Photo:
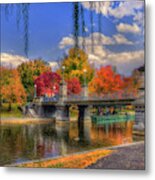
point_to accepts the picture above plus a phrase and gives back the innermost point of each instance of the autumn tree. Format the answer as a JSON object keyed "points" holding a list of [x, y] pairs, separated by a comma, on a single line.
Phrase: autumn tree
{"points": [[132, 83], [47, 84], [106, 81], [29, 71], [75, 64], [73, 86], [12, 90]]}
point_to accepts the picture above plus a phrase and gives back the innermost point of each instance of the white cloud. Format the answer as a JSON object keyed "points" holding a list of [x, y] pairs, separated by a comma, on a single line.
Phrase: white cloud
{"points": [[124, 61], [120, 39], [99, 6], [139, 18], [66, 41], [10, 60], [125, 8], [99, 39], [54, 65], [86, 29], [127, 28]]}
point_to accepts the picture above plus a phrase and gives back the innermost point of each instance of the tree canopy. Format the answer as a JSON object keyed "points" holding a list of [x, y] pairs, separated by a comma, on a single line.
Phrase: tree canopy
{"points": [[76, 65], [108, 81], [29, 71], [12, 90], [48, 84], [73, 86]]}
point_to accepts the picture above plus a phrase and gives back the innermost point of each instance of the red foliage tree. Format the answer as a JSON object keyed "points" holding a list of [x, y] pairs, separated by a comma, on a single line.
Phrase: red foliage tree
{"points": [[48, 84], [73, 86]]}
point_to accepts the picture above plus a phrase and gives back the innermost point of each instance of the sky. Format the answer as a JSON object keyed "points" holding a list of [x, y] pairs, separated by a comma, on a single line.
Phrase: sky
{"points": [[51, 34]]}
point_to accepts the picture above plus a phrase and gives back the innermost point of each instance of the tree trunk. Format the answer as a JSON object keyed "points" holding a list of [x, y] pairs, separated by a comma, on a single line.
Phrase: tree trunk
{"points": [[9, 107]]}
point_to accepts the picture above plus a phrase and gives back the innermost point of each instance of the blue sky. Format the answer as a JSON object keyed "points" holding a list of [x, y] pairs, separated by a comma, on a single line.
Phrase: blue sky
{"points": [[51, 27]]}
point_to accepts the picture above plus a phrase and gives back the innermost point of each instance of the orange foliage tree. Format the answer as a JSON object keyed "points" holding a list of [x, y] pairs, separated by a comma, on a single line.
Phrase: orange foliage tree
{"points": [[12, 90], [132, 83], [106, 81]]}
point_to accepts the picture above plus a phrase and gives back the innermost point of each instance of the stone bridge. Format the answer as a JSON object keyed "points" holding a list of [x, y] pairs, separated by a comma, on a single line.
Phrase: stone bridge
{"points": [[58, 108]]}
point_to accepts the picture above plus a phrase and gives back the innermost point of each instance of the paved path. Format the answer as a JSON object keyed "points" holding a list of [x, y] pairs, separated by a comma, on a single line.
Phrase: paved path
{"points": [[129, 158]]}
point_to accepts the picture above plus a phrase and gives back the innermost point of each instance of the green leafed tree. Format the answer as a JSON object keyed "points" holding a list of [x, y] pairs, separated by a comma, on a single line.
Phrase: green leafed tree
{"points": [[29, 71], [76, 65]]}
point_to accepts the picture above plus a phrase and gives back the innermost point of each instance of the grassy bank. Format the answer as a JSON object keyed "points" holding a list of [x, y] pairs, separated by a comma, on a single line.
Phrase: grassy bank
{"points": [[15, 112], [17, 121], [71, 161]]}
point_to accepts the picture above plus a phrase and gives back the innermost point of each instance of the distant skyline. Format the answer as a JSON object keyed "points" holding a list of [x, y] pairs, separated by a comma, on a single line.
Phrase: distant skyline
{"points": [[51, 29]]}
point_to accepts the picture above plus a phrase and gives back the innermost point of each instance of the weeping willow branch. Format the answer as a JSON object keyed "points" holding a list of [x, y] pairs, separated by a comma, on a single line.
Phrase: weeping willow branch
{"points": [[76, 24], [25, 13], [18, 15], [8, 10], [22, 11], [99, 22], [92, 25], [83, 27]]}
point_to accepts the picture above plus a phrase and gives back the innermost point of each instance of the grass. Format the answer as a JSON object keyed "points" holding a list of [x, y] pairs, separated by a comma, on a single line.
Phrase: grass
{"points": [[79, 161], [15, 112]]}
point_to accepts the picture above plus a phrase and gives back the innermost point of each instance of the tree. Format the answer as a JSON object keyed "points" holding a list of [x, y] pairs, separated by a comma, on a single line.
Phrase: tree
{"points": [[29, 71], [12, 90], [75, 63], [73, 86], [48, 84], [106, 81], [132, 83]]}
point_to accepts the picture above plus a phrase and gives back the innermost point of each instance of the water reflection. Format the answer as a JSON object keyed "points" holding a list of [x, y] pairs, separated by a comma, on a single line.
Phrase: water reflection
{"points": [[19, 143]]}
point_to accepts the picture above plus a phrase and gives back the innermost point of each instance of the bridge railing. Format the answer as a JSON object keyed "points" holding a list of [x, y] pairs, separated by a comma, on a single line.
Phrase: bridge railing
{"points": [[81, 97], [107, 97]]}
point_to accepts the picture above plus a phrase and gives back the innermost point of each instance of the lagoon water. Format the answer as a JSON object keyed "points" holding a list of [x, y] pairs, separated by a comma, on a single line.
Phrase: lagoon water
{"points": [[20, 143]]}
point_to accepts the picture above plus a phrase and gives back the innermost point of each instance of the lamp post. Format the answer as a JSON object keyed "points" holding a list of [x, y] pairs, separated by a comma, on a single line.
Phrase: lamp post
{"points": [[35, 91], [85, 89], [54, 88], [85, 71], [63, 69]]}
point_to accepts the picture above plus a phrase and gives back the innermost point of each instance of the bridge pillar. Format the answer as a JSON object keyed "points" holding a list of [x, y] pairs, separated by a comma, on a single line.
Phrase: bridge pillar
{"points": [[85, 92], [140, 103], [40, 111], [62, 92], [84, 113], [62, 112]]}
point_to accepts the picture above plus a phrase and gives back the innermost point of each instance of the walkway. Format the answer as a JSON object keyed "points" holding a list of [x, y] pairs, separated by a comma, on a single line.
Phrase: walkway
{"points": [[129, 158]]}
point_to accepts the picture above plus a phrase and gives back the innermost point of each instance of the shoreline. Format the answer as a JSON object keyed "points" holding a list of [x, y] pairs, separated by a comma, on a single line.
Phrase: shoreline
{"points": [[125, 158], [25, 120], [43, 160]]}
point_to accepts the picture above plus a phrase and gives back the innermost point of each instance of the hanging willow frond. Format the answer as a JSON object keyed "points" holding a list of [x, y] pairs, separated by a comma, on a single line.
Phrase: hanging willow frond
{"points": [[18, 15], [83, 27], [25, 13], [99, 22], [22, 11], [92, 25], [76, 24], [8, 10]]}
